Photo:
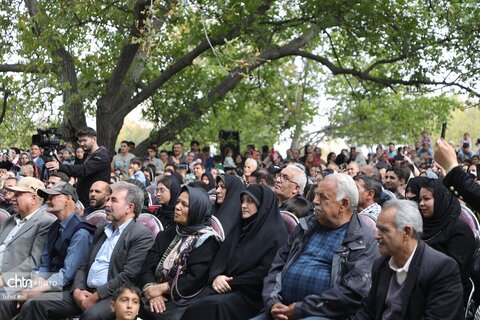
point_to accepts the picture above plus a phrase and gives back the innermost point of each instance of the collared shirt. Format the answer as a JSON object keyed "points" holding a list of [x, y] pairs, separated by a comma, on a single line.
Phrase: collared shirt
{"points": [[98, 274], [140, 177], [19, 223], [76, 254], [311, 271], [372, 211], [401, 273]]}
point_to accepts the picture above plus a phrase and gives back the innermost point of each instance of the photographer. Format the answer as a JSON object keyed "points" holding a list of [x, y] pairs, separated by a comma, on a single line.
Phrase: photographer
{"points": [[95, 167]]}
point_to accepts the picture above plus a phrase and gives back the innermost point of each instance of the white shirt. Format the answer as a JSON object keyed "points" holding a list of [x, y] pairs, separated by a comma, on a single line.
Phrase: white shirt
{"points": [[401, 273], [98, 273]]}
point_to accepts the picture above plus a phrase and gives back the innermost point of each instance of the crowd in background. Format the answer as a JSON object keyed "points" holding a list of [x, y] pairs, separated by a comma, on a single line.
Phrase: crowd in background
{"points": [[321, 265]]}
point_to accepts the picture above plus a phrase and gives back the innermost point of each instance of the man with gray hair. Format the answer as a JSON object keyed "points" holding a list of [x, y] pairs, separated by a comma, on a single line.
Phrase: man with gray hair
{"points": [[290, 183], [324, 269], [118, 253], [250, 166], [412, 280]]}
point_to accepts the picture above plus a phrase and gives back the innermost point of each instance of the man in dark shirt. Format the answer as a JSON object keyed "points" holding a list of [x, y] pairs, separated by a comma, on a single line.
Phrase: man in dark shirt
{"points": [[99, 194], [95, 167]]}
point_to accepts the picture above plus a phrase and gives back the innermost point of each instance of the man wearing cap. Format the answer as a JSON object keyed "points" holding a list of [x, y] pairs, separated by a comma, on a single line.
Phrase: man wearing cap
{"points": [[22, 238], [115, 259], [68, 242], [289, 183], [95, 167]]}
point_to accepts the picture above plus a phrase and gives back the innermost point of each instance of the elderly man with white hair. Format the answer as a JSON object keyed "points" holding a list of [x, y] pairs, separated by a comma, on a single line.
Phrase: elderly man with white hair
{"points": [[324, 269], [250, 166], [289, 185]]}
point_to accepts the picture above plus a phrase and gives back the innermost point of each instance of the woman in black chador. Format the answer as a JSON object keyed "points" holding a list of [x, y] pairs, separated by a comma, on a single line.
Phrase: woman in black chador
{"points": [[236, 275]]}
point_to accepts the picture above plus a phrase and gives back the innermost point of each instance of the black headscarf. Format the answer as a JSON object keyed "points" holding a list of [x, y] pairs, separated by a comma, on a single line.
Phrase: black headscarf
{"points": [[199, 211], [248, 251], [165, 213], [229, 211], [446, 209], [211, 181], [415, 184], [178, 177]]}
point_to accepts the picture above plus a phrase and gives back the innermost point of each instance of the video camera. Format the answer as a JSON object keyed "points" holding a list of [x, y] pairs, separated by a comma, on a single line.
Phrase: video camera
{"points": [[49, 140]]}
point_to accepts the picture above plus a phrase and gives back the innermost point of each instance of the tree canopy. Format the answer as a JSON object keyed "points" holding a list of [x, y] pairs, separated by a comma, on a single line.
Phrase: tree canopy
{"points": [[198, 66]]}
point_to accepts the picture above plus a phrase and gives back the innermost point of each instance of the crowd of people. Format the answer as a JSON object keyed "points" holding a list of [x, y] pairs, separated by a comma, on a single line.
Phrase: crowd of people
{"points": [[388, 235]]}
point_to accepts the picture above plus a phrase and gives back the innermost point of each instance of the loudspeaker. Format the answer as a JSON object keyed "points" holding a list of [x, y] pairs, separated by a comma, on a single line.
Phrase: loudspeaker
{"points": [[229, 139]]}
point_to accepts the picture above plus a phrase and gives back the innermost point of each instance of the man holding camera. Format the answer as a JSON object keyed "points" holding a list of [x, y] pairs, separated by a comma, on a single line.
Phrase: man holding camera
{"points": [[95, 167]]}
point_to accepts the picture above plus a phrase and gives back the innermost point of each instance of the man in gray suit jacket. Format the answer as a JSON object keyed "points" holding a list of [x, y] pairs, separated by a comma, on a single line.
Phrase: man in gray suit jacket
{"points": [[118, 252], [22, 238]]}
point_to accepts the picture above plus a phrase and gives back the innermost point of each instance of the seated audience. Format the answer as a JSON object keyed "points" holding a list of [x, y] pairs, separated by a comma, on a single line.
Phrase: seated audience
{"points": [[168, 190], [411, 280], [177, 265], [237, 272], [227, 206], [324, 268], [116, 258]]}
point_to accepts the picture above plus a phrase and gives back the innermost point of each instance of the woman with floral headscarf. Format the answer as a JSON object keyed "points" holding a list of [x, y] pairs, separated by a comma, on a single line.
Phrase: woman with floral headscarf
{"points": [[176, 267]]}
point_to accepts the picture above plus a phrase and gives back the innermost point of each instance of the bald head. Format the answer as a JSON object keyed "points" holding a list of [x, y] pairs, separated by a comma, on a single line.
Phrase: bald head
{"points": [[100, 192]]}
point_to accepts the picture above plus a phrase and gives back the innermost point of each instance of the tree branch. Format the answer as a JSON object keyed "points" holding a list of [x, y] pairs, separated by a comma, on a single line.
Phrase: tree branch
{"points": [[74, 117], [4, 105], [187, 59], [18, 67], [362, 75], [228, 83]]}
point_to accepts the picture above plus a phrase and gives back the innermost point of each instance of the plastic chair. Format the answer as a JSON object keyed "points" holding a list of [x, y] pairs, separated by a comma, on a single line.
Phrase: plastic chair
{"points": [[4, 215], [467, 216], [98, 218], [470, 307], [290, 220], [152, 195], [151, 222], [217, 226]]}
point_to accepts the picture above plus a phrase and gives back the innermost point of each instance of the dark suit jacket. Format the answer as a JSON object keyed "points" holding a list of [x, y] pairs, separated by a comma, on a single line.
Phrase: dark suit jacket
{"points": [[462, 185], [127, 259], [23, 253], [433, 289]]}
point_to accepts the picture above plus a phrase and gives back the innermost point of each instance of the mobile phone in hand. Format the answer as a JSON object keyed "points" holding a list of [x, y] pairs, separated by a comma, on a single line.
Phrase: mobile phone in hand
{"points": [[444, 128]]}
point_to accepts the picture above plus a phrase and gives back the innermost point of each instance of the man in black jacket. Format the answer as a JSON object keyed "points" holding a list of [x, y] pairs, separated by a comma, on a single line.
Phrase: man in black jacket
{"points": [[460, 183], [412, 280], [95, 167]]}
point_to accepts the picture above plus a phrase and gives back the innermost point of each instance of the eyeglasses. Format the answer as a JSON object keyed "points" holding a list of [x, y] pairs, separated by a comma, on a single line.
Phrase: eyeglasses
{"points": [[82, 141], [283, 177], [162, 190]]}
